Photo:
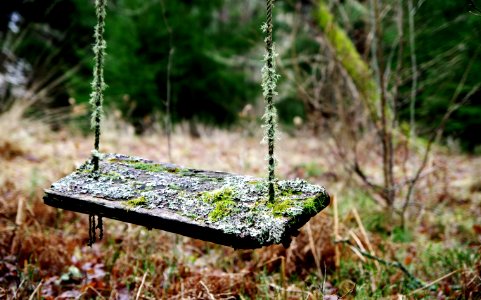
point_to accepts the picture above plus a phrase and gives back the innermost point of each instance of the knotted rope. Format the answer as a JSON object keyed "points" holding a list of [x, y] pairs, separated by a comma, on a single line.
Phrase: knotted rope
{"points": [[269, 83], [96, 100], [98, 83]]}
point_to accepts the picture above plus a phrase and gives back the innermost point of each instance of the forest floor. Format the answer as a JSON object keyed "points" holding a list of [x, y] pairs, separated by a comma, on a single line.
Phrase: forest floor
{"points": [[44, 252]]}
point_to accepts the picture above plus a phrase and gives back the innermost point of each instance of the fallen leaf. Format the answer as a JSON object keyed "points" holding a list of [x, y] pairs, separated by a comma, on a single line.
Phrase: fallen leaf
{"points": [[477, 229]]}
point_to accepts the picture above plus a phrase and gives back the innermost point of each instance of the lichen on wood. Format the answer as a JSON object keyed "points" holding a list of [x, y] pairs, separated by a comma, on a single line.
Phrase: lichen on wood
{"points": [[269, 84], [98, 83], [220, 207]]}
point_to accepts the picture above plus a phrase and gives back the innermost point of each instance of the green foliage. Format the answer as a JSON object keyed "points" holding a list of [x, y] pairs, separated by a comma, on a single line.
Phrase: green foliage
{"points": [[210, 84], [288, 108], [204, 87], [402, 235], [438, 257], [448, 37]]}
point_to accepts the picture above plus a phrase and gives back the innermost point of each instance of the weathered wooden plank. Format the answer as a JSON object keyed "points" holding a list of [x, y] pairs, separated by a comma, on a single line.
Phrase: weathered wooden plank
{"points": [[219, 207]]}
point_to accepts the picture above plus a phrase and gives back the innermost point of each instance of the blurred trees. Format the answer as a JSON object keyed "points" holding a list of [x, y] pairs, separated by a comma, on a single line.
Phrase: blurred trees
{"points": [[450, 67], [409, 80], [438, 73], [204, 36], [139, 41], [215, 58]]}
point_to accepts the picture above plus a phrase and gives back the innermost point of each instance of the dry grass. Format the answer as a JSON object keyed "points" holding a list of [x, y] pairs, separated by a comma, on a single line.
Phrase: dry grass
{"points": [[43, 250]]}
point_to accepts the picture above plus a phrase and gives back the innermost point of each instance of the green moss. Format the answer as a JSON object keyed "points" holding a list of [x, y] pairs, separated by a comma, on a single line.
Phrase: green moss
{"points": [[112, 175], [148, 167], [281, 208], [84, 171], [313, 204], [224, 194], [287, 193], [136, 202], [223, 199], [152, 167], [222, 209], [350, 58], [186, 172]]}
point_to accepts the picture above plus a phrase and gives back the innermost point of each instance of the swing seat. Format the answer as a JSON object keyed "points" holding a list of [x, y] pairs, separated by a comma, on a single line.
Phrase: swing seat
{"points": [[218, 207]]}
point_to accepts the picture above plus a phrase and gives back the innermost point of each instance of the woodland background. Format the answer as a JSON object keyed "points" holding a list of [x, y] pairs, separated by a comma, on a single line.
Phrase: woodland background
{"points": [[379, 101]]}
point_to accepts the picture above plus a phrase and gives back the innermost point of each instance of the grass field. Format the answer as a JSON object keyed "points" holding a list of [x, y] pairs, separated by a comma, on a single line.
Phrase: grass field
{"points": [[356, 253]]}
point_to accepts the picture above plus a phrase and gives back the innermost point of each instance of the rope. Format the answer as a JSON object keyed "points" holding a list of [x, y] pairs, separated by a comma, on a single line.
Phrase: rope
{"points": [[100, 226], [269, 83], [96, 100], [98, 84], [92, 236], [93, 228]]}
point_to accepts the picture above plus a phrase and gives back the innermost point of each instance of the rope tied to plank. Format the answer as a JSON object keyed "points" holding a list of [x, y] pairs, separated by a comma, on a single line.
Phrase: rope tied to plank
{"points": [[98, 83], [96, 100], [269, 84], [92, 229]]}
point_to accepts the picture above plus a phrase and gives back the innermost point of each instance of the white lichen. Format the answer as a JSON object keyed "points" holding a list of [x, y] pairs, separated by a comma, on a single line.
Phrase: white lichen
{"points": [[250, 214]]}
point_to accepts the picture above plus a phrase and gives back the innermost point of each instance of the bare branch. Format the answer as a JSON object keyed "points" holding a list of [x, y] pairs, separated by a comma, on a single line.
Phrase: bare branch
{"points": [[418, 283], [440, 128]]}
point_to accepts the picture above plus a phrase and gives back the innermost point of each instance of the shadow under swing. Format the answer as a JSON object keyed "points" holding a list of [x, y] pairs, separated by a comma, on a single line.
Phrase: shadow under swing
{"points": [[240, 211]]}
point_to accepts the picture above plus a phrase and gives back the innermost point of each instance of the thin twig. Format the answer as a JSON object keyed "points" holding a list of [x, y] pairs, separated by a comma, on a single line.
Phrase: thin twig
{"points": [[36, 290], [396, 264], [141, 286], [364, 233], [439, 130], [357, 240], [317, 259], [434, 282], [95, 290], [288, 290], [283, 277], [336, 232], [359, 172], [211, 297]]}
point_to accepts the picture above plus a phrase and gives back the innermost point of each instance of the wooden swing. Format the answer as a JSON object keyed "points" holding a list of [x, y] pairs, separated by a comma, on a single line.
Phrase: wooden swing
{"points": [[243, 212]]}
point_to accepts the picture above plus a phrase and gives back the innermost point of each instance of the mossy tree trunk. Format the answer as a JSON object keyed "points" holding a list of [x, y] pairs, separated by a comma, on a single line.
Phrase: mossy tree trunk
{"points": [[372, 87], [351, 60]]}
